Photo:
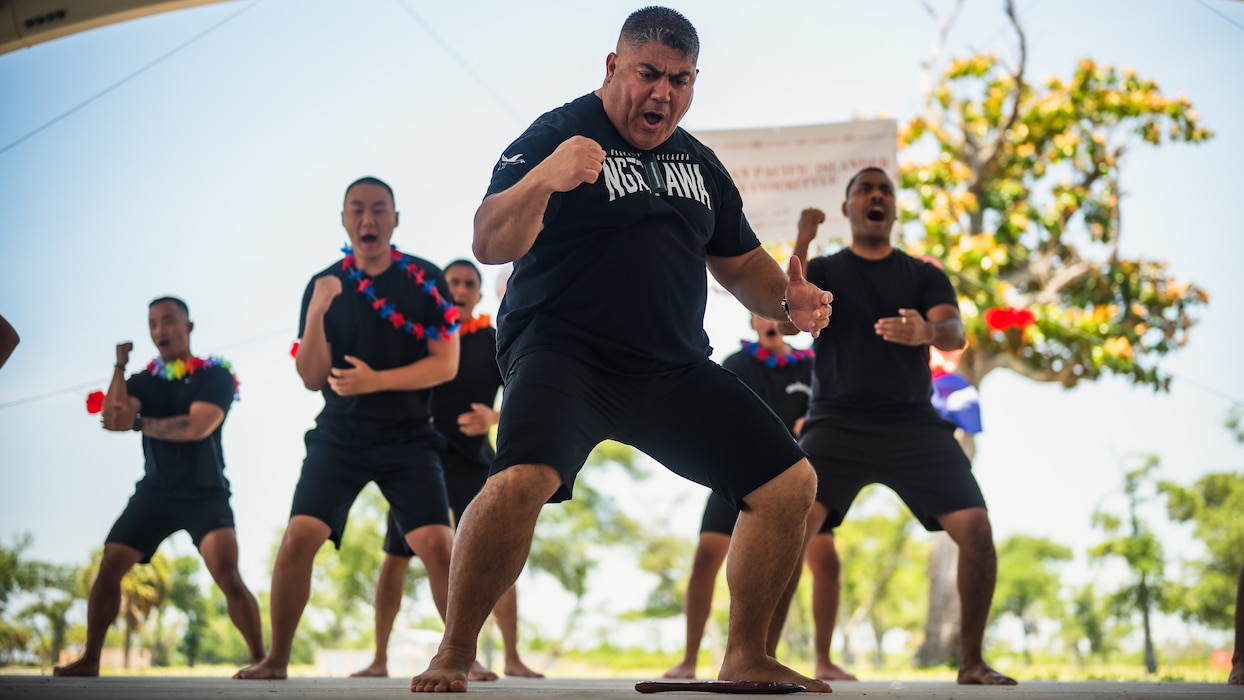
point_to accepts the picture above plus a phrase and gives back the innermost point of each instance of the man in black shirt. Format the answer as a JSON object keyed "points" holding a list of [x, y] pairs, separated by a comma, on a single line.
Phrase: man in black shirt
{"points": [[376, 335], [871, 419], [179, 405], [610, 213], [462, 412]]}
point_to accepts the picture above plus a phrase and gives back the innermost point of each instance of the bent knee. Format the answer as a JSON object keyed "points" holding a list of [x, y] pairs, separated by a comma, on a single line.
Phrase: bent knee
{"points": [[792, 490]]}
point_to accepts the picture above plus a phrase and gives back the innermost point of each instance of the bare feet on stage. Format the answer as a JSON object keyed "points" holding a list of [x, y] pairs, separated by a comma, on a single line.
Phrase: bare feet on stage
{"points": [[1237, 673], [79, 668], [445, 674], [480, 672], [833, 672], [374, 671], [769, 670], [265, 670], [981, 674], [684, 669], [518, 669]]}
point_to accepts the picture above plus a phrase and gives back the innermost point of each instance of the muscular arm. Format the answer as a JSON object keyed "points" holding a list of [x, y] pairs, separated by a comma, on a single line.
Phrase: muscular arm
{"points": [[119, 407], [438, 367], [755, 279], [202, 420], [507, 223], [315, 354]]}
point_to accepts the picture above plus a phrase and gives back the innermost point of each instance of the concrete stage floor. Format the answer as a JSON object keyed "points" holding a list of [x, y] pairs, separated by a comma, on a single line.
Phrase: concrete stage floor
{"points": [[198, 688]]}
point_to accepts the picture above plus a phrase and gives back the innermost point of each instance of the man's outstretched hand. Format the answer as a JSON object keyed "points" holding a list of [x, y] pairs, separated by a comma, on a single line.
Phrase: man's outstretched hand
{"points": [[809, 307]]}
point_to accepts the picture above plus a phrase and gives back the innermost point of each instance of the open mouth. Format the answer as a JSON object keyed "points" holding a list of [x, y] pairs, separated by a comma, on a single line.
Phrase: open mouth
{"points": [[369, 238], [653, 119], [876, 215], [771, 333]]}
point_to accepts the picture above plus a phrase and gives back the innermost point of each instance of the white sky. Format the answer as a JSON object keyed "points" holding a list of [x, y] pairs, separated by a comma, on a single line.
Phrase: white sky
{"points": [[217, 175]]}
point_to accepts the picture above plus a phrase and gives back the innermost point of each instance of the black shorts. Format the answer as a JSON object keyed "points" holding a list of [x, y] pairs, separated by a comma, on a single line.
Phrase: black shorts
{"points": [[720, 517], [151, 516], [701, 422], [408, 474], [912, 450], [464, 478]]}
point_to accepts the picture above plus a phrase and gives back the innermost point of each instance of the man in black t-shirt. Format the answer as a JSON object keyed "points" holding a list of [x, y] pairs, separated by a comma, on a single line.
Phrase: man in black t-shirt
{"points": [[610, 213], [871, 419], [179, 404], [462, 411], [782, 377], [376, 335]]}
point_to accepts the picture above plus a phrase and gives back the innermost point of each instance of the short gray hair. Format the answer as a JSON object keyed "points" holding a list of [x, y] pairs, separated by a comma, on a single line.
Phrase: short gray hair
{"points": [[663, 26]]}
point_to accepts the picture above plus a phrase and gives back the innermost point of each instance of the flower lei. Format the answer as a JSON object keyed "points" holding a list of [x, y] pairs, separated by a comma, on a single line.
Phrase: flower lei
{"points": [[772, 359], [179, 369], [474, 324], [387, 311]]}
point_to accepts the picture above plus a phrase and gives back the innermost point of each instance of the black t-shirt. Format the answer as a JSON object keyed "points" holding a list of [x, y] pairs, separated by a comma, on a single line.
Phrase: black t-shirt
{"points": [[785, 389], [183, 468], [617, 275], [855, 368], [477, 382], [355, 328]]}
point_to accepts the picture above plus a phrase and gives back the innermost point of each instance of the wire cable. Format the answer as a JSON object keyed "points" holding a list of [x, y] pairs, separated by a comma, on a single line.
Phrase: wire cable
{"points": [[126, 79]]}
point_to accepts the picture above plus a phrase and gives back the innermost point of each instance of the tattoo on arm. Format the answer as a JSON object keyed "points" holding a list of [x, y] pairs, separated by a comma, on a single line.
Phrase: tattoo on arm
{"points": [[169, 428]]}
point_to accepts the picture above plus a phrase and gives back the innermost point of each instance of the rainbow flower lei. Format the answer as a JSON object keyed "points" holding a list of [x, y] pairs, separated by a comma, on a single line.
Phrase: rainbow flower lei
{"points": [[771, 359], [179, 369], [387, 311]]}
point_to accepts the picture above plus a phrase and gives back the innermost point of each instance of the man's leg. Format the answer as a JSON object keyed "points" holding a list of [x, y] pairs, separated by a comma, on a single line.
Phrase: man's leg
{"points": [[291, 587], [493, 541], [1237, 659], [103, 604], [219, 549], [816, 516], [766, 548], [390, 587], [506, 614], [822, 559], [709, 555], [978, 573]]}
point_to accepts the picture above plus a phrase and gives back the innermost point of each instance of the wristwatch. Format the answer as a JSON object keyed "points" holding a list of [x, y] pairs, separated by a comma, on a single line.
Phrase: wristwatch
{"points": [[786, 309], [138, 423]]}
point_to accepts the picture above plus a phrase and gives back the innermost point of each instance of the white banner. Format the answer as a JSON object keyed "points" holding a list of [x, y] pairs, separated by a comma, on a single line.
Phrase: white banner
{"points": [[781, 171]]}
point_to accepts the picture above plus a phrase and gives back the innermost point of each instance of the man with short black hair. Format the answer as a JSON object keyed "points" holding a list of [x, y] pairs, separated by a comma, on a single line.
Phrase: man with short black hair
{"points": [[871, 419], [179, 404], [376, 334], [611, 213]]}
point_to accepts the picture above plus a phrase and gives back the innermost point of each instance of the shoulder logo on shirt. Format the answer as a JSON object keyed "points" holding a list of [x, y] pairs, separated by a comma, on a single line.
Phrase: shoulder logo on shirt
{"points": [[624, 174], [516, 159]]}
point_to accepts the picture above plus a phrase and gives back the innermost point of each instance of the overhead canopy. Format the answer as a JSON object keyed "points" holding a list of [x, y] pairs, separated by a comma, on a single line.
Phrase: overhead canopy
{"points": [[24, 23]]}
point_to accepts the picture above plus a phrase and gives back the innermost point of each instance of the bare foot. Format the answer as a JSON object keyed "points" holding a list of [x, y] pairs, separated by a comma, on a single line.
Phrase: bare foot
{"points": [[480, 672], [1237, 674], [263, 671], [444, 675], [830, 671], [981, 674], [685, 669], [79, 668], [768, 670], [518, 669], [376, 670]]}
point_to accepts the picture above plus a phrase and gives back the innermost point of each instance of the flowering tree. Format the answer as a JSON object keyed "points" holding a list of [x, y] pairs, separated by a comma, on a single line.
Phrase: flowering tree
{"points": [[1018, 197]]}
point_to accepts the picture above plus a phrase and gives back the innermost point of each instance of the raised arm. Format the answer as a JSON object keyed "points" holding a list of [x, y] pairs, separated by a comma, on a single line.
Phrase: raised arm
{"points": [[810, 220], [507, 223], [315, 354], [119, 407], [756, 280]]}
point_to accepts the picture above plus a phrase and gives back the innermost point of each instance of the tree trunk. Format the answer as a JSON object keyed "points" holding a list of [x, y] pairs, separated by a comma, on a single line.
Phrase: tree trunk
{"points": [[941, 628], [1151, 658]]}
